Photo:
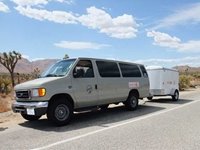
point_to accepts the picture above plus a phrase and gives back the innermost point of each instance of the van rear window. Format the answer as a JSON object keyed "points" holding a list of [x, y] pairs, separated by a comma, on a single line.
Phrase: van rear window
{"points": [[129, 70], [144, 72], [108, 69]]}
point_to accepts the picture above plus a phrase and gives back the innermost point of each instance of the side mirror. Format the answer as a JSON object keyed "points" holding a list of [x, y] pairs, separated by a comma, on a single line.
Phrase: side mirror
{"points": [[75, 74], [78, 73]]}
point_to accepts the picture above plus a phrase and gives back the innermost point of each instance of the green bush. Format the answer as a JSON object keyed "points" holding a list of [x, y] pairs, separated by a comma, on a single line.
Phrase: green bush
{"points": [[5, 83], [196, 75]]}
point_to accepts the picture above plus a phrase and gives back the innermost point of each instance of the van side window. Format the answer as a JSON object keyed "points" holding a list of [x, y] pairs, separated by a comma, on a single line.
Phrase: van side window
{"points": [[108, 69], [84, 69], [129, 70], [144, 72]]}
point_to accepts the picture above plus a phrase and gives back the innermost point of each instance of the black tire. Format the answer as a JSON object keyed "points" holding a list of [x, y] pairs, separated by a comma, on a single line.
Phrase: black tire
{"points": [[132, 102], [104, 107], [150, 98], [175, 97], [60, 111], [30, 117]]}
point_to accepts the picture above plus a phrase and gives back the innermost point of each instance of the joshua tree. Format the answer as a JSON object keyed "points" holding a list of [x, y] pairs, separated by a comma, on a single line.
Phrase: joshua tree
{"points": [[9, 60], [36, 73], [1, 82]]}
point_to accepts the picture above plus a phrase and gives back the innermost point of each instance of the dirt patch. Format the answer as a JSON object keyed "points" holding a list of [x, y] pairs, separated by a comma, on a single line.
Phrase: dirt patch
{"points": [[5, 102], [7, 117]]}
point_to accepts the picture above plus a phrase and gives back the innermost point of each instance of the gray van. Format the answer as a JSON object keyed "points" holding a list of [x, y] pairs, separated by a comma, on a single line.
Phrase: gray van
{"points": [[81, 83]]}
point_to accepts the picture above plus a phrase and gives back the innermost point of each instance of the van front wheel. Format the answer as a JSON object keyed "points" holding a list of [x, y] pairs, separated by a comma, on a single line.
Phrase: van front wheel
{"points": [[132, 102], [60, 112]]}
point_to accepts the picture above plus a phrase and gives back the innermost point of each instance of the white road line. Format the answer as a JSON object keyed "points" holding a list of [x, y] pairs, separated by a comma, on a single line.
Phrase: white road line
{"points": [[114, 126]]}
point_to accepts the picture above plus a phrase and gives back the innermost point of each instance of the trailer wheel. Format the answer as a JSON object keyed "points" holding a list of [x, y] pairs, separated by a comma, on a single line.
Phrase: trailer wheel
{"points": [[150, 98], [30, 117], [132, 102], [60, 111], [175, 97]]}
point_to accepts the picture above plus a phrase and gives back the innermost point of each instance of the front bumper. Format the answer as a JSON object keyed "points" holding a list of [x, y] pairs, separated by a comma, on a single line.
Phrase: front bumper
{"points": [[30, 108]]}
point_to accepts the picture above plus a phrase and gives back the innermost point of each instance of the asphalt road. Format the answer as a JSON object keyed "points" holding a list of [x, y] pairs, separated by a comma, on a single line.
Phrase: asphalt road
{"points": [[158, 124]]}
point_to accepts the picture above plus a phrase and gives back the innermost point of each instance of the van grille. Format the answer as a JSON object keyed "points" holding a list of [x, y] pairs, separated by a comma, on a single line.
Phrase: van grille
{"points": [[22, 94]]}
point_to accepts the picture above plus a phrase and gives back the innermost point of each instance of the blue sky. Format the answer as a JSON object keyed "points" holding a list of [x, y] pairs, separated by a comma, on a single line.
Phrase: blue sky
{"points": [[152, 32]]}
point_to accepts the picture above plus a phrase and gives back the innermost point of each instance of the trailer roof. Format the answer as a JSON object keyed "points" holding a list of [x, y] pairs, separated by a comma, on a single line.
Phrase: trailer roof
{"points": [[160, 68]]}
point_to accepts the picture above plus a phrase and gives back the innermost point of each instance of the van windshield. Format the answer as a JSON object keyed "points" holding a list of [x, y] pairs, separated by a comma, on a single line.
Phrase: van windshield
{"points": [[59, 69]]}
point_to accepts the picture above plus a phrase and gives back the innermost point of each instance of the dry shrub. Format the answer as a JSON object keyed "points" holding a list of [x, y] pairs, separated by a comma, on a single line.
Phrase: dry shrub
{"points": [[184, 82], [5, 103]]}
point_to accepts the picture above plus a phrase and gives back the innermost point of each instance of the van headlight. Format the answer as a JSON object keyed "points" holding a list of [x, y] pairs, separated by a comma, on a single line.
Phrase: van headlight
{"points": [[14, 95], [40, 92]]}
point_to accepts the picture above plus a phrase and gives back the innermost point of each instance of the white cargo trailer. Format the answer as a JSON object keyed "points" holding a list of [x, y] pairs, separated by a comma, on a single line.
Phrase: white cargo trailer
{"points": [[163, 82]]}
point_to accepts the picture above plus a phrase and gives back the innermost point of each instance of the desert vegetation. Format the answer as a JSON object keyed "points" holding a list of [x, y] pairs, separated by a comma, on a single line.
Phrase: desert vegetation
{"points": [[6, 88], [9, 60], [9, 80], [189, 80]]}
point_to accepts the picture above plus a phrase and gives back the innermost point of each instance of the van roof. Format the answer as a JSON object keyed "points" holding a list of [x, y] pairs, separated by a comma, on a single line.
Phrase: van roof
{"points": [[91, 58]]}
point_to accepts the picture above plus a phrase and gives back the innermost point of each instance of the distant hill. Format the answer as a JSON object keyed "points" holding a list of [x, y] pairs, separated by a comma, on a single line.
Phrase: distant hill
{"points": [[188, 69], [26, 66]]}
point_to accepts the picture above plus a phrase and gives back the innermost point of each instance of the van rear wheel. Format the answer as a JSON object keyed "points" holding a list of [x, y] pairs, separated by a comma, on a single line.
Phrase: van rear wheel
{"points": [[60, 112], [132, 102]]}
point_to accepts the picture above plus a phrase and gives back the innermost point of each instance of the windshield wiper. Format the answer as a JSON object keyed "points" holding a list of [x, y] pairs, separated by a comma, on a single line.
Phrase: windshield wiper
{"points": [[53, 75]]}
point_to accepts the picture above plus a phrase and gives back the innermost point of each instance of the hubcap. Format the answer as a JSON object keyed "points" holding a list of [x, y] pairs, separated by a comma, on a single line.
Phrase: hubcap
{"points": [[133, 102], [176, 95], [62, 112]]}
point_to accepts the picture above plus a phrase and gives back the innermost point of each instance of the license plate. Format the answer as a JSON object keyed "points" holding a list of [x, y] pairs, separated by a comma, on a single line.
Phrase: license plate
{"points": [[30, 111]]}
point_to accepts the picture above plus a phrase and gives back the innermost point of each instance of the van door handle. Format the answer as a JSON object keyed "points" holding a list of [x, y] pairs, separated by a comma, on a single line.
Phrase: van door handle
{"points": [[96, 86]]}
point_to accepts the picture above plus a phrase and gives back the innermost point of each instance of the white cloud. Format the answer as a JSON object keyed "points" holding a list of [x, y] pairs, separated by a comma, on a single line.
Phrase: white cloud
{"points": [[191, 46], [36, 59], [120, 27], [190, 61], [66, 1], [42, 14], [80, 45], [26, 57], [165, 40], [30, 2], [3, 7], [39, 2], [189, 14], [33, 59]]}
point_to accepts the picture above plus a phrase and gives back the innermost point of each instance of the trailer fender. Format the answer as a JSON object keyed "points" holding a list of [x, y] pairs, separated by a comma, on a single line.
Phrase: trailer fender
{"points": [[172, 91]]}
